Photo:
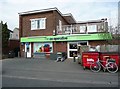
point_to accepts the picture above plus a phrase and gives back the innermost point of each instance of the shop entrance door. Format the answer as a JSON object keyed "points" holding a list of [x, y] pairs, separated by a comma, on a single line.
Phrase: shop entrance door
{"points": [[28, 50], [72, 48]]}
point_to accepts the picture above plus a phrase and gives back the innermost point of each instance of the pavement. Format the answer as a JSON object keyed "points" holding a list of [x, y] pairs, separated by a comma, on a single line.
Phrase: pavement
{"points": [[22, 72]]}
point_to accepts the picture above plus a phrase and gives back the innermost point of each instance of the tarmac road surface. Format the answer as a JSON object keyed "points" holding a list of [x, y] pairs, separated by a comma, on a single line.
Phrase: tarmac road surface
{"points": [[21, 72]]}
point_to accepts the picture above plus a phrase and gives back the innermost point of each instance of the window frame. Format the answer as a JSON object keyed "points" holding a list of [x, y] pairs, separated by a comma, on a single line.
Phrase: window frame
{"points": [[90, 28], [81, 28], [38, 24]]}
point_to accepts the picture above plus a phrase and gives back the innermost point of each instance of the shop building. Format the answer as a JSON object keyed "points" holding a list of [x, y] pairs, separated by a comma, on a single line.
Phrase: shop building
{"points": [[50, 31]]}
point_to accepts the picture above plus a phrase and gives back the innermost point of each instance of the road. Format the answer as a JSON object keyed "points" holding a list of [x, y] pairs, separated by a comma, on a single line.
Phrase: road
{"points": [[21, 72]]}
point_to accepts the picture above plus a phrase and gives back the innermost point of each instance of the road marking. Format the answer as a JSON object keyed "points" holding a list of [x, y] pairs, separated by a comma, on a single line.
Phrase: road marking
{"points": [[69, 72], [65, 80]]}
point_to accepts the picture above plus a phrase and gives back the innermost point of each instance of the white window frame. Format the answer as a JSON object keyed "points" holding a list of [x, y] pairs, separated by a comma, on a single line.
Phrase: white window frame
{"points": [[38, 23], [68, 49], [91, 28], [82, 28]]}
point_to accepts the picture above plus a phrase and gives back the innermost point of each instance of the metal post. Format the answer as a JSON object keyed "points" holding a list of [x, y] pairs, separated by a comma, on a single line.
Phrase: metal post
{"points": [[18, 54], [74, 60], [26, 54]]}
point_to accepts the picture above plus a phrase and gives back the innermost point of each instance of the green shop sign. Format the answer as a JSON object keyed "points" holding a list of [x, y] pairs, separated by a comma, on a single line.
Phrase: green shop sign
{"points": [[57, 38], [82, 37]]}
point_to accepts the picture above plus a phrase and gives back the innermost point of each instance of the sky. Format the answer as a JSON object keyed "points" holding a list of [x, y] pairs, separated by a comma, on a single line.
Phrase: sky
{"points": [[82, 10]]}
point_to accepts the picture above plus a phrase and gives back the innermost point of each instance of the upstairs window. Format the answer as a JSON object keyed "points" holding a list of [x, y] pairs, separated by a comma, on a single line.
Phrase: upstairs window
{"points": [[83, 29], [39, 23], [92, 28]]}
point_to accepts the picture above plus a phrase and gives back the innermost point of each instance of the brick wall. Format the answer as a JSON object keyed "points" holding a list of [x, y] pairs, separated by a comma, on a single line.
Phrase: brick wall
{"points": [[114, 42], [22, 50], [95, 43], [12, 45], [58, 17], [26, 25], [59, 47], [52, 21]]}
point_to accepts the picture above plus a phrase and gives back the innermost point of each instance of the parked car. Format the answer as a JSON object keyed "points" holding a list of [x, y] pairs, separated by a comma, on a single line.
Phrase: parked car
{"points": [[11, 54]]}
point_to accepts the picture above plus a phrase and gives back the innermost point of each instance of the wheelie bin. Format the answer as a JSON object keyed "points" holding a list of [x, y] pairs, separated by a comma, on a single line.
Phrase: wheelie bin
{"points": [[113, 56], [88, 58]]}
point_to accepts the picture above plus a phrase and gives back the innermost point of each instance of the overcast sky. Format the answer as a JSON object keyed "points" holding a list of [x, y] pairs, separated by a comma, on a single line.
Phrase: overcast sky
{"points": [[82, 10]]}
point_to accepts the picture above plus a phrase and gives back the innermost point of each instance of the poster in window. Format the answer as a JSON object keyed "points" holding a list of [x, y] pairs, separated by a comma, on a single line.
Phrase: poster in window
{"points": [[42, 47]]}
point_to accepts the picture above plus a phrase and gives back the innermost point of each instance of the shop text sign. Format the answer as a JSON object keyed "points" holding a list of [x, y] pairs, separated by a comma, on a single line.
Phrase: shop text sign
{"points": [[57, 38]]}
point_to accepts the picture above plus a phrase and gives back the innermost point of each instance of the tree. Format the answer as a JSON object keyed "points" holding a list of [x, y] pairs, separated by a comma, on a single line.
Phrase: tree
{"points": [[115, 35], [5, 36]]}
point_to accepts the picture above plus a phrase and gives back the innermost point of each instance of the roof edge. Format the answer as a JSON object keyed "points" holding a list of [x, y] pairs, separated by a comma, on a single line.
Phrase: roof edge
{"points": [[69, 14], [38, 11], [46, 10], [89, 21]]}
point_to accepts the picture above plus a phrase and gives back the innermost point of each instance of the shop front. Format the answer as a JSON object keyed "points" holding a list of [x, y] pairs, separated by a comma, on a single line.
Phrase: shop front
{"points": [[52, 44]]}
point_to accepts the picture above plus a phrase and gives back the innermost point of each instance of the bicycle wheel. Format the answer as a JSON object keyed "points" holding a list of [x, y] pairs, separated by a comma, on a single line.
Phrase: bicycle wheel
{"points": [[95, 67], [112, 67]]}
